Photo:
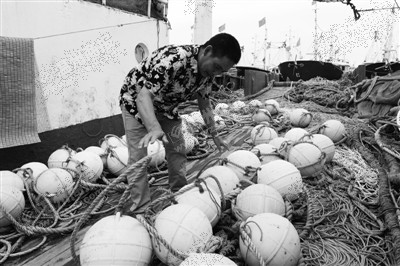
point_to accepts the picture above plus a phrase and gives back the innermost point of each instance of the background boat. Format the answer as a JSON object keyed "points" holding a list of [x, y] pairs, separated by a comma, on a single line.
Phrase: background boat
{"points": [[308, 69], [382, 57]]}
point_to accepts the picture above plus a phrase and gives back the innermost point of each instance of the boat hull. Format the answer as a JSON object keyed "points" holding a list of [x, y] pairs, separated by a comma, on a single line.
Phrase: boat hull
{"points": [[77, 136], [370, 70], [306, 70]]}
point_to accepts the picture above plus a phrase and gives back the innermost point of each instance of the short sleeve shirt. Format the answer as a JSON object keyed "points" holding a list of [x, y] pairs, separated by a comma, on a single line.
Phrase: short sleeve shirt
{"points": [[171, 75]]}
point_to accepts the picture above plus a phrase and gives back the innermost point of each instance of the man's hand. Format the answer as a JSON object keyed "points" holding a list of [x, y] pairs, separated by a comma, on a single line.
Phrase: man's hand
{"points": [[221, 145], [152, 136]]}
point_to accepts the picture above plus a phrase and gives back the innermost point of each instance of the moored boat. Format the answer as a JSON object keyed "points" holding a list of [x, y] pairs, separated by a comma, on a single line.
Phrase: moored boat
{"points": [[308, 69]]}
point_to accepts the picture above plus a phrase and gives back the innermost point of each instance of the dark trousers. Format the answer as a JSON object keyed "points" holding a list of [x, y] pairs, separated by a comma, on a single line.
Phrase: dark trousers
{"points": [[175, 153]]}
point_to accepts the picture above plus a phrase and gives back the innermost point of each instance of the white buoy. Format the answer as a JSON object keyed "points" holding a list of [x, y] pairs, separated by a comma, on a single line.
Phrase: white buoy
{"points": [[56, 183], [117, 160], [242, 162], [226, 177], [8, 178], [262, 134], [274, 237], [59, 158], [184, 227], [256, 199], [116, 240], [283, 176], [300, 117], [156, 151], [208, 201], [13, 202], [87, 164]]}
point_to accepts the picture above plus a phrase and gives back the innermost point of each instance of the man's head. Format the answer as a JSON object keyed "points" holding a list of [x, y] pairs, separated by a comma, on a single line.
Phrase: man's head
{"points": [[218, 55]]}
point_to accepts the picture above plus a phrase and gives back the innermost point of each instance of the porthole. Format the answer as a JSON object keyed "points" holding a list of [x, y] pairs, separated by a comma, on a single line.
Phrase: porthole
{"points": [[141, 52]]}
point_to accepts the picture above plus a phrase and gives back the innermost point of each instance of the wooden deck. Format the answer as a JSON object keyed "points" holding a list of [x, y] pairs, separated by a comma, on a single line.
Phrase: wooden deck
{"points": [[325, 191], [56, 251]]}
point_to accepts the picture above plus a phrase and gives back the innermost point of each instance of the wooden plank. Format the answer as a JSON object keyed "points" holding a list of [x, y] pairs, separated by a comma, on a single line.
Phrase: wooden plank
{"points": [[55, 252]]}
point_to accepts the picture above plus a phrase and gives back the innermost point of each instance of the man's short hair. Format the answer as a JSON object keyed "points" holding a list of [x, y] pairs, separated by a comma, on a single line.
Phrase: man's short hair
{"points": [[225, 44]]}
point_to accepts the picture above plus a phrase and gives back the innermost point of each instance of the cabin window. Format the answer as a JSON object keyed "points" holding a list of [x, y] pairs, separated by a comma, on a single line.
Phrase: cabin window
{"points": [[141, 52]]}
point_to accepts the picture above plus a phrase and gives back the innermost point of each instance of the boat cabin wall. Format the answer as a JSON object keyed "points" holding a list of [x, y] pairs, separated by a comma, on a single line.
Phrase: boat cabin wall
{"points": [[83, 52]]}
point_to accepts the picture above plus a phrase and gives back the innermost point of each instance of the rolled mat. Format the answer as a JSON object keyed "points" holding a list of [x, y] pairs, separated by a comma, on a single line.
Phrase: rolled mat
{"points": [[18, 125]]}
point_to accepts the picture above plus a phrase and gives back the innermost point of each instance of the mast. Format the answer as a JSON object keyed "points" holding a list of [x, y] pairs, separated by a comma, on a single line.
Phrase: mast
{"points": [[203, 21], [315, 31], [265, 46]]}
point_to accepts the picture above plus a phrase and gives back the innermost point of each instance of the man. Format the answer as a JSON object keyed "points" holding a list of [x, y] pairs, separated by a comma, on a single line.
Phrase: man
{"points": [[150, 98]]}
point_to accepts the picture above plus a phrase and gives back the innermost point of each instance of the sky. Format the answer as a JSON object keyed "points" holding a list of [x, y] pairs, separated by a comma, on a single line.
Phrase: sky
{"points": [[339, 34]]}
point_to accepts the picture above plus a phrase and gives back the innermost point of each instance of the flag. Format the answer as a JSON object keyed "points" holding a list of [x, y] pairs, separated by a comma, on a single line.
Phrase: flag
{"points": [[221, 28], [298, 42], [261, 22]]}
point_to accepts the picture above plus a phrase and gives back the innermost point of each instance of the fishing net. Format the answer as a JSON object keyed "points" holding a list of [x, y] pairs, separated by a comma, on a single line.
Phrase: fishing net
{"points": [[347, 215]]}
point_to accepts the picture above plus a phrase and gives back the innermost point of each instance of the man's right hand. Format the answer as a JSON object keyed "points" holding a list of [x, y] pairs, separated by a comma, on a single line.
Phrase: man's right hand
{"points": [[152, 136]]}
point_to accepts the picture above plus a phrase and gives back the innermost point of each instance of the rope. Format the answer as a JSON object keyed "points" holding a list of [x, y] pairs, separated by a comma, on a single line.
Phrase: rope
{"points": [[142, 167]]}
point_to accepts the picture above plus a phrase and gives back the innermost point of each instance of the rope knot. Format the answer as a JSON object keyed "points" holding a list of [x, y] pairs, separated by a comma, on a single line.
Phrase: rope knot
{"points": [[197, 183]]}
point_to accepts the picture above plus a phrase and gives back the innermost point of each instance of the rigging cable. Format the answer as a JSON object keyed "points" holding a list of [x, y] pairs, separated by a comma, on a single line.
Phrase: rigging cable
{"points": [[355, 11], [99, 28]]}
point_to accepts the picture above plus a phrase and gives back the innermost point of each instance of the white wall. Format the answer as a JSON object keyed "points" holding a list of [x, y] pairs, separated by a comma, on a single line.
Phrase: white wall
{"points": [[203, 21], [81, 54]]}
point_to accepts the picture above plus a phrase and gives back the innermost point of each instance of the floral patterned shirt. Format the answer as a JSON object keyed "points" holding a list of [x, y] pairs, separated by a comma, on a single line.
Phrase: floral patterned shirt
{"points": [[171, 75]]}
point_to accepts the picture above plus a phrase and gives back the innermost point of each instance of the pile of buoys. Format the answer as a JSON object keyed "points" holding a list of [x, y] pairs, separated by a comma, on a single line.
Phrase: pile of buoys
{"points": [[272, 169]]}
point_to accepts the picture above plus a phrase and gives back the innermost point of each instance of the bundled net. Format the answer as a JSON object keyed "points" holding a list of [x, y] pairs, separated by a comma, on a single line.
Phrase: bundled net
{"points": [[324, 92]]}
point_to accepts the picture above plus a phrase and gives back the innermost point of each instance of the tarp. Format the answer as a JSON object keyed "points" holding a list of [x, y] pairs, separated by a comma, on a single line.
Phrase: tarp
{"points": [[18, 125], [375, 97]]}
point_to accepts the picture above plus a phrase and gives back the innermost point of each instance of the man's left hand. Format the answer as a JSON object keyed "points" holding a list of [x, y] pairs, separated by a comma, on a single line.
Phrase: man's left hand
{"points": [[221, 145]]}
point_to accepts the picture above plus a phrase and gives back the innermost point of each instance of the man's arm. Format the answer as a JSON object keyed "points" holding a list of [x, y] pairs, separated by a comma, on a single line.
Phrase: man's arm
{"points": [[207, 113]]}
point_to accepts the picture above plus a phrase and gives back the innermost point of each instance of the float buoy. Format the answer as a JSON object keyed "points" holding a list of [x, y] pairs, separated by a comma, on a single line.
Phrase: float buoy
{"points": [[207, 201], [262, 134], [99, 151], [156, 151], [324, 143], [226, 177], [59, 158], [241, 161], [300, 117], [238, 106], [307, 157], [272, 106], [13, 202], [295, 134], [222, 109], [266, 153], [184, 227], [274, 237], [87, 164], [8, 178], [111, 142], [256, 199], [56, 183], [334, 129], [261, 115], [117, 160], [283, 176], [116, 240]]}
